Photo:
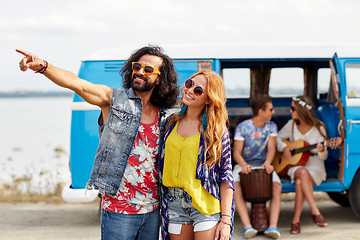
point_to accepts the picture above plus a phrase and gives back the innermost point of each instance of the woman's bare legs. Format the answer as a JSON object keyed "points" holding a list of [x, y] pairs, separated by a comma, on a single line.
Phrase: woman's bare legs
{"points": [[299, 201], [304, 190], [207, 234], [187, 233]]}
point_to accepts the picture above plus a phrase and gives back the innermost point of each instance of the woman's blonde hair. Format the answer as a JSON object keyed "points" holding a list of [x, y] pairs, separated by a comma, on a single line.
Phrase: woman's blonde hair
{"points": [[216, 115], [305, 109]]}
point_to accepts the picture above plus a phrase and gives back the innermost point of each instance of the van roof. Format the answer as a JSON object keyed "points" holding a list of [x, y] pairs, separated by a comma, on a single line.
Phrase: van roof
{"points": [[235, 51]]}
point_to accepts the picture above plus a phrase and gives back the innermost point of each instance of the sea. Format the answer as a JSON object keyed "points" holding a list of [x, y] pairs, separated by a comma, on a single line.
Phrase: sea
{"points": [[34, 144]]}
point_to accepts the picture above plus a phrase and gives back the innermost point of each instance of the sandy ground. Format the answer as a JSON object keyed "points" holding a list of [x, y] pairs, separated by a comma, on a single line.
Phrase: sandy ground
{"points": [[34, 221], [37, 221], [343, 223]]}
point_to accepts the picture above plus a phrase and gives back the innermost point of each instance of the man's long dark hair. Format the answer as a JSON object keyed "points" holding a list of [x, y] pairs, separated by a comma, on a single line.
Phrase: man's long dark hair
{"points": [[166, 93]]}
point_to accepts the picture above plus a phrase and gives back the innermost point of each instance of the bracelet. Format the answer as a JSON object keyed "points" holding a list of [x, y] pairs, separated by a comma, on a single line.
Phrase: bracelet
{"points": [[44, 67], [225, 215], [225, 222]]}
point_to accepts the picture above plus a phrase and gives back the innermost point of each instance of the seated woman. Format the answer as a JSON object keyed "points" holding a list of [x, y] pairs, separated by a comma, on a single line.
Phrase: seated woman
{"points": [[195, 166], [304, 125]]}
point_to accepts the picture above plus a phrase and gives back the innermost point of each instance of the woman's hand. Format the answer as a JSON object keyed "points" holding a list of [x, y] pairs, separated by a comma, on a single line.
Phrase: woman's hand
{"points": [[287, 153], [223, 230], [320, 147]]}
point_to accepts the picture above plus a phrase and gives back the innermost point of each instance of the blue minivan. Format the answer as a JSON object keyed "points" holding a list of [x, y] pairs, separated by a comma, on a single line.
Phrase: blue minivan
{"points": [[330, 79]]}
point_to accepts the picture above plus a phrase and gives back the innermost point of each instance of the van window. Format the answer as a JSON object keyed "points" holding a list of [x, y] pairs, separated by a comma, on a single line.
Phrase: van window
{"points": [[323, 80], [353, 80], [286, 82], [237, 82]]}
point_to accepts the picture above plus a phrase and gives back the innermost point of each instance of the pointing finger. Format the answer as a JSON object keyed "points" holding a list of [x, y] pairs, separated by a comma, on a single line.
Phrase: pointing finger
{"points": [[25, 53]]}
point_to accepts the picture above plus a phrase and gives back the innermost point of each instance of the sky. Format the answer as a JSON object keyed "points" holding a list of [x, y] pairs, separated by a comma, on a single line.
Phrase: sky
{"points": [[65, 32]]}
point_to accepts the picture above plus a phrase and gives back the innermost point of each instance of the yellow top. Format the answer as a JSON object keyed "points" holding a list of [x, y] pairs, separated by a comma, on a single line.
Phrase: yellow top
{"points": [[181, 154]]}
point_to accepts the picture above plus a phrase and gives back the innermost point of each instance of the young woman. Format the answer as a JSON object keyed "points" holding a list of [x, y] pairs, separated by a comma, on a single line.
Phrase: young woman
{"points": [[304, 125], [195, 166]]}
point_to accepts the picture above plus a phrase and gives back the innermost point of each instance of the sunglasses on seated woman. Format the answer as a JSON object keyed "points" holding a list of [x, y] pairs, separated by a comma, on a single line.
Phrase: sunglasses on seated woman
{"points": [[148, 70], [197, 90]]}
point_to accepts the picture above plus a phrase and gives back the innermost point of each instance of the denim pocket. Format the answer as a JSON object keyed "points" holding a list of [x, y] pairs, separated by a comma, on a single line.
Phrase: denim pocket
{"points": [[119, 120]]}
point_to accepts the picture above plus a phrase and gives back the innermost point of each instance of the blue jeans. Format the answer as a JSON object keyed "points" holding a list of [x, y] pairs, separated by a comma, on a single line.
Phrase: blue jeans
{"points": [[118, 226]]}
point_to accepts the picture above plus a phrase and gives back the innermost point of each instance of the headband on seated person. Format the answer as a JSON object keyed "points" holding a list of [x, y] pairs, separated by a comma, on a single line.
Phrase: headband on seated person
{"points": [[302, 103]]}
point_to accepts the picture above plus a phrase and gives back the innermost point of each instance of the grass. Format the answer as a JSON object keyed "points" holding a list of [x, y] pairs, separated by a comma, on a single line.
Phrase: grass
{"points": [[10, 192]]}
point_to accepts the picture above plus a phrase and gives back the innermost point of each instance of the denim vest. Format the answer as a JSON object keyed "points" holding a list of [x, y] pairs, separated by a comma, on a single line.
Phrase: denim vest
{"points": [[116, 139]]}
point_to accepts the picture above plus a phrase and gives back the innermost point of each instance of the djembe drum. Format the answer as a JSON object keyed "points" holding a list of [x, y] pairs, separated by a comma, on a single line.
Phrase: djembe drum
{"points": [[257, 189]]}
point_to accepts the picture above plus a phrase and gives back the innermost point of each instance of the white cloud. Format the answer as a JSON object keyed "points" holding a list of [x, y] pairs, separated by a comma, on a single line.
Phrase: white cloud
{"points": [[66, 31]]}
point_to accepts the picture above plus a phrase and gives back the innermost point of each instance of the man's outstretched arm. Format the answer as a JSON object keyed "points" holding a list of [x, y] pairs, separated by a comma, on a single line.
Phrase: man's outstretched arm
{"points": [[96, 94]]}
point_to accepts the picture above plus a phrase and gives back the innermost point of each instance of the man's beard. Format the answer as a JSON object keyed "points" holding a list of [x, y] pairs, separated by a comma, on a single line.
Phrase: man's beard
{"points": [[144, 88]]}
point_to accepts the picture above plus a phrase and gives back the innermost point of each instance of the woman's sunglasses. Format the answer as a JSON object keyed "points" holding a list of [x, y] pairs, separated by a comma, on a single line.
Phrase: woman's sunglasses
{"points": [[292, 108], [197, 90], [148, 70]]}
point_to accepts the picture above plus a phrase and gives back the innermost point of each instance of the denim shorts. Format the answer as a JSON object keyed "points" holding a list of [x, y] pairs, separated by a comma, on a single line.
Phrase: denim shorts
{"points": [[181, 210]]}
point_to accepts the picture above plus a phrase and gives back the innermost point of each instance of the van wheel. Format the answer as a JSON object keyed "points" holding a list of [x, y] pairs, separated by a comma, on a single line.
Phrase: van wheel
{"points": [[340, 198], [354, 194]]}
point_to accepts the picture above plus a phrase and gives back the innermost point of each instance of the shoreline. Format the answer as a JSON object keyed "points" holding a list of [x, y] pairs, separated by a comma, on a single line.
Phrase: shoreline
{"points": [[35, 94]]}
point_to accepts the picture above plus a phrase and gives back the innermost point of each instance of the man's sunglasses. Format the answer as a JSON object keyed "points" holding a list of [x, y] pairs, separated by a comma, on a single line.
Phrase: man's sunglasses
{"points": [[148, 70], [197, 90]]}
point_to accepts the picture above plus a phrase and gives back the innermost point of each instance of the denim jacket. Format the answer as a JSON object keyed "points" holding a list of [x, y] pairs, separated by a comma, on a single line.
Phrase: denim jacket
{"points": [[116, 139]]}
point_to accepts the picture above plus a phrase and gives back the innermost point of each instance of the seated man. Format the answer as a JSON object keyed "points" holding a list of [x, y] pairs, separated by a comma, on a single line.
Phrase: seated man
{"points": [[255, 146]]}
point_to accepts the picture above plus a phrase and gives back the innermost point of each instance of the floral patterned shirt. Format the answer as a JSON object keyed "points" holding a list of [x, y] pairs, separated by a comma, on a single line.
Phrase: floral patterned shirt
{"points": [[255, 140], [138, 192]]}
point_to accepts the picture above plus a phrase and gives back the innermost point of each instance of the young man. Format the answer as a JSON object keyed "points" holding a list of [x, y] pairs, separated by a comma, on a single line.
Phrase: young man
{"points": [[132, 122], [255, 145]]}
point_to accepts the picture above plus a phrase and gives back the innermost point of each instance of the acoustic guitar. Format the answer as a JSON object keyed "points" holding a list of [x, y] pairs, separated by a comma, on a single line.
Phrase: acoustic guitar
{"points": [[300, 154]]}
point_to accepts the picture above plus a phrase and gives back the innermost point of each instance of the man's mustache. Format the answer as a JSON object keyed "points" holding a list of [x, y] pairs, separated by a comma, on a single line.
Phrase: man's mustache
{"points": [[145, 78]]}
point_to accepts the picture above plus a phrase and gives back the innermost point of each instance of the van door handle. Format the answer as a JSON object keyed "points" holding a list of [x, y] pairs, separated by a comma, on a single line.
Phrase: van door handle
{"points": [[340, 126], [351, 122]]}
